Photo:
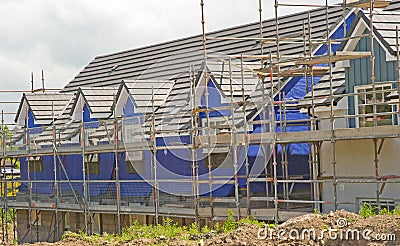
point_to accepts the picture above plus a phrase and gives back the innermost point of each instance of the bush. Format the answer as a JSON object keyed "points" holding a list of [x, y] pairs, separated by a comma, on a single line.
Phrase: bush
{"points": [[367, 210], [230, 223], [251, 221]]}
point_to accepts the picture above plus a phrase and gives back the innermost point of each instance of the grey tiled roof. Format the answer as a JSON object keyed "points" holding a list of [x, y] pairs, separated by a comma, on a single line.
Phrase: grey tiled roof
{"points": [[166, 60], [393, 6], [17, 133], [322, 89], [141, 91], [224, 77], [64, 132], [385, 23], [175, 112]]}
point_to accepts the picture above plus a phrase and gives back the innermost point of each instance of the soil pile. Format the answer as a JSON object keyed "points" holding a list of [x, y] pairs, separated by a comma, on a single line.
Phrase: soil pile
{"points": [[338, 228], [335, 228]]}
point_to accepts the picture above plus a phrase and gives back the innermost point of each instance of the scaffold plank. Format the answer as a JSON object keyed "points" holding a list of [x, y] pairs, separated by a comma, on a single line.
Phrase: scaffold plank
{"points": [[309, 136], [338, 56], [269, 214], [367, 3], [226, 140], [293, 72]]}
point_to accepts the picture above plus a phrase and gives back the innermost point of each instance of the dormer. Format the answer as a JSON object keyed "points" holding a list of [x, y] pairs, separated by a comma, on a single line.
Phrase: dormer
{"points": [[93, 103], [134, 97], [37, 109]]}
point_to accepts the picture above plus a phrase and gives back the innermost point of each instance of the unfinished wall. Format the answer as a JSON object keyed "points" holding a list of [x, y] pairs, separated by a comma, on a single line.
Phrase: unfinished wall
{"points": [[323, 113], [42, 230], [356, 158]]}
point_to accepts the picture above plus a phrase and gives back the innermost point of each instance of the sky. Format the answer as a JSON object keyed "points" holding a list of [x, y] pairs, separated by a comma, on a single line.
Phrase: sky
{"points": [[62, 36]]}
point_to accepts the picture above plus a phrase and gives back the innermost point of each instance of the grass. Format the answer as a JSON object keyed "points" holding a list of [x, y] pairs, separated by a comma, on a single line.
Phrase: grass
{"points": [[167, 230]]}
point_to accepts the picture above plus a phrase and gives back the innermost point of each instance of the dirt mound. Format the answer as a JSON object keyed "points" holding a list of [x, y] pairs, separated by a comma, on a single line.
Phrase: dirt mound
{"points": [[245, 235], [338, 228], [335, 228]]}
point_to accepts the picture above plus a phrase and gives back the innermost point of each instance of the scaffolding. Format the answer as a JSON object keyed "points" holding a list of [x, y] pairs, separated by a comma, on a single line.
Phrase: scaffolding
{"points": [[195, 197]]}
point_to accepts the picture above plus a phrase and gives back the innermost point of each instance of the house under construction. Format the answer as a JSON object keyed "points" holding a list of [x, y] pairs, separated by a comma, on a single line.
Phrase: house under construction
{"points": [[271, 120]]}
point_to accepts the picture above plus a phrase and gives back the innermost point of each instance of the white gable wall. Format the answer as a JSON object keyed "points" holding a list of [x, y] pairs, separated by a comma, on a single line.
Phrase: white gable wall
{"points": [[78, 110], [356, 158]]}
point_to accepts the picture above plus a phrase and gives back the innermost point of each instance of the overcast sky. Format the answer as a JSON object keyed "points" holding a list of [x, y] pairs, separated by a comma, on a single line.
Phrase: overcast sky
{"points": [[62, 36]]}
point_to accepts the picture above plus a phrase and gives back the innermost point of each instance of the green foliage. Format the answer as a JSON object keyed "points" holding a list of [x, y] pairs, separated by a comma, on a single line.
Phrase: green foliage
{"points": [[385, 211], [205, 229], [316, 211], [7, 218], [218, 227], [80, 235], [251, 221], [7, 132], [396, 211], [193, 229], [367, 210], [168, 230], [230, 223]]}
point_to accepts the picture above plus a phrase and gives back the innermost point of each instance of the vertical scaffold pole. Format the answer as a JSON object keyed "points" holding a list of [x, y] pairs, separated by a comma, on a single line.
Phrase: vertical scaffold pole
{"points": [[278, 53], [154, 158], [398, 73], [372, 37], [331, 101], [193, 156], [272, 124], [377, 178], [56, 191], [85, 188], [28, 149], [5, 201], [234, 144], [206, 94], [3, 187], [261, 31], [117, 183], [332, 125], [344, 18], [285, 162], [310, 51], [314, 166], [245, 137], [203, 28], [309, 123], [274, 164]]}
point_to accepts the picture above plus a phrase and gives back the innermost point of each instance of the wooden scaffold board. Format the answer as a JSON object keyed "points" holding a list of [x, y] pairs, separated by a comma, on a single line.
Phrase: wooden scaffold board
{"points": [[337, 56], [367, 3]]}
